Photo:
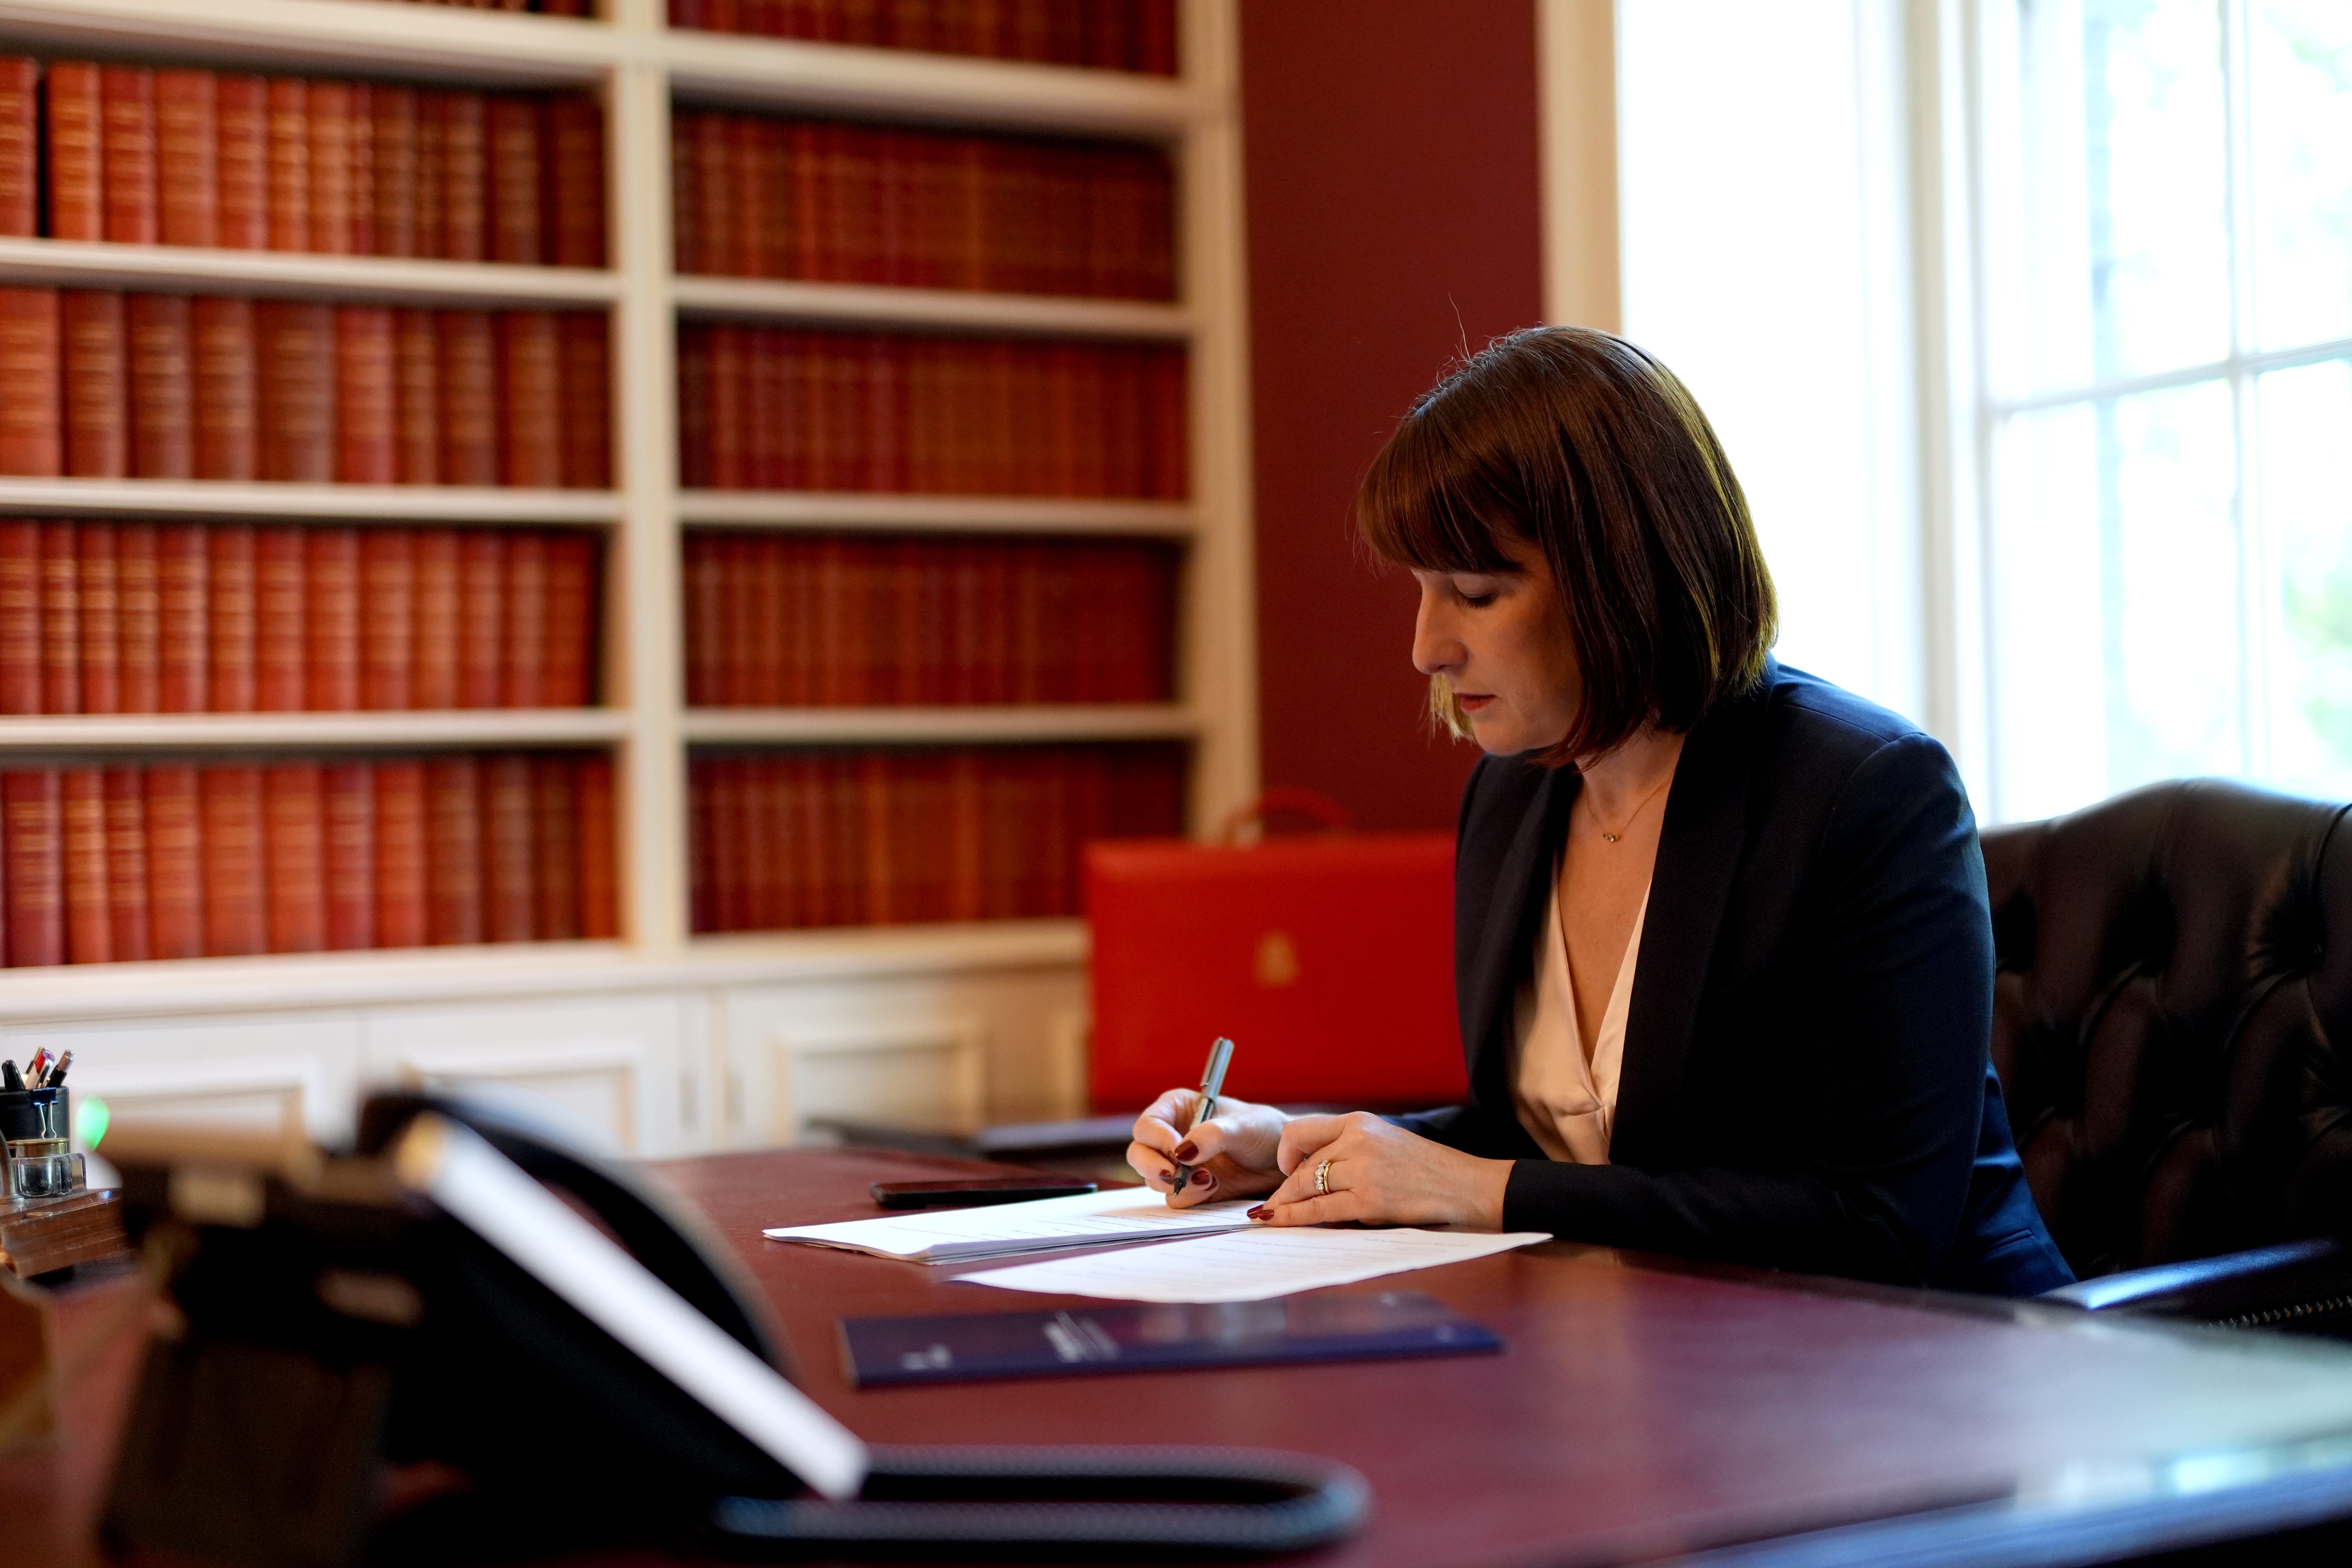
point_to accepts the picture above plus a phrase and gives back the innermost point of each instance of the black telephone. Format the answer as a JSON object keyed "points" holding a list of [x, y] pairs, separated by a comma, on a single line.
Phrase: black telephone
{"points": [[352, 1369]]}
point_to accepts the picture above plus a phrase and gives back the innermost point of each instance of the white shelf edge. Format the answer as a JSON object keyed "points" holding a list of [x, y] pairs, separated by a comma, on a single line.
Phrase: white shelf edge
{"points": [[350, 279], [906, 84], [943, 726], [96, 992], [383, 503], [490, 48], [495, 727], [934, 514], [966, 309]]}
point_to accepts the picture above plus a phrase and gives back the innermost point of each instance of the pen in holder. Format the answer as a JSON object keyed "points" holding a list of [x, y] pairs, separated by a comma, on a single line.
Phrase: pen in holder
{"points": [[37, 1125]]}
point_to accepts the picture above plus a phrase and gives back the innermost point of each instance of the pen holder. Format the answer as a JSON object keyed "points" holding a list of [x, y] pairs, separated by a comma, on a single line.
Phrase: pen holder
{"points": [[37, 1125]]}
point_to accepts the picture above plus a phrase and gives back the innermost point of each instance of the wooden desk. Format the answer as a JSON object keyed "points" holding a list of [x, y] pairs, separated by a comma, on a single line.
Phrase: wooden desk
{"points": [[1641, 1411]]}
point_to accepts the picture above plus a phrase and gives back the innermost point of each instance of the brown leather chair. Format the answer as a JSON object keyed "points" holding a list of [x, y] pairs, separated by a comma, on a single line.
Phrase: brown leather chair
{"points": [[2173, 1028]]}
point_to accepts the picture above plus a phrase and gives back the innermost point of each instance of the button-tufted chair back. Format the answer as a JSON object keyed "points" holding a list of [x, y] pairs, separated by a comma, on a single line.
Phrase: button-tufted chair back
{"points": [[2173, 1020]]}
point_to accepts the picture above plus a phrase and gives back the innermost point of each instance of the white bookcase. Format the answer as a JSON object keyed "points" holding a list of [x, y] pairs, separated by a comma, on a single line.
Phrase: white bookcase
{"points": [[671, 1043]]}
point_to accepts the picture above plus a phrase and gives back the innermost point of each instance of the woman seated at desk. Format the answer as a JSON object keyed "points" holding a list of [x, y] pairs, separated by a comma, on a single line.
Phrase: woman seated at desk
{"points": [[1722, 950]]}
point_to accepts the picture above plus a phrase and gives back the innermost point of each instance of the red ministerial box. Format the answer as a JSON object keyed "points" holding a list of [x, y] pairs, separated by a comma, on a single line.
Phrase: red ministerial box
{"points": [[1329, 962]]}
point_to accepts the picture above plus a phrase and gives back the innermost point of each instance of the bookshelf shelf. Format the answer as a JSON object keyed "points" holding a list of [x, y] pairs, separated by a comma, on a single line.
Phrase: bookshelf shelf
{"points": [[966, 725], [870, 305], [474, 727], [342, 503], [935, 514], [346, 279]]}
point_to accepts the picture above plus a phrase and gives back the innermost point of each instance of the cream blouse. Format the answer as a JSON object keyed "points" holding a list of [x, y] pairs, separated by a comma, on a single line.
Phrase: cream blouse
{"points": [[1566, 1094]]}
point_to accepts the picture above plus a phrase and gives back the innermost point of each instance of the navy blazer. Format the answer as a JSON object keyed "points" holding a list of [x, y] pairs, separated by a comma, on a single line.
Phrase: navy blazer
{"points": [[1807, 1080]]}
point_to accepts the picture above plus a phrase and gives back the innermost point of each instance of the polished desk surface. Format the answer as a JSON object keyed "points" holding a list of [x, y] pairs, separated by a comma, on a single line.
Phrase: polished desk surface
{"points": [[1640, 1410]]}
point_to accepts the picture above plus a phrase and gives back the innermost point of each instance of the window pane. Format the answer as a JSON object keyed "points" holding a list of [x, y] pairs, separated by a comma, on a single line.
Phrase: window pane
{"points": [[2118, 166], [2116, 624], [2300, 55], [2307, 427]]}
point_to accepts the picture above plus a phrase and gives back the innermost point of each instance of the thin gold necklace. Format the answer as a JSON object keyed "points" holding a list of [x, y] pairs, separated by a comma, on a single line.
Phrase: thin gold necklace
{"points": [[1639, 806]]}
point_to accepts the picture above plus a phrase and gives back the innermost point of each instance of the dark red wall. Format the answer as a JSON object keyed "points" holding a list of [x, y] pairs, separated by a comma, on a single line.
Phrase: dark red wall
{"points": [[1393, 215]]}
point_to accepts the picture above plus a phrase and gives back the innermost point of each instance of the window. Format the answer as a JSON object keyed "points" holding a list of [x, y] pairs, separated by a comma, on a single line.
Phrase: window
{"points": [[2164, 231]]}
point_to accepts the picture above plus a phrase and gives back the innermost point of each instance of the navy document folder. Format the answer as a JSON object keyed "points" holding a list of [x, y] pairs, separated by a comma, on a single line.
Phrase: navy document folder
{"points": [[881, 1352]]}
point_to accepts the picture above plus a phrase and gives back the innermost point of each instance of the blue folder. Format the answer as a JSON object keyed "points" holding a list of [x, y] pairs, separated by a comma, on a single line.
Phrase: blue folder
{"points": [[1075, 1341]]}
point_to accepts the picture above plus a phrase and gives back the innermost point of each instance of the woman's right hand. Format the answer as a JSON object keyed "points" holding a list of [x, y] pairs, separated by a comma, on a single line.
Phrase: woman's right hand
{"points": [[1232, 1155]]}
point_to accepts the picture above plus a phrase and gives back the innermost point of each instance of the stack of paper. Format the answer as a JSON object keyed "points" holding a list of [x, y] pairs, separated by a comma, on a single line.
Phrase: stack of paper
{"points": [[1255, 1264], [1000, 1230]]}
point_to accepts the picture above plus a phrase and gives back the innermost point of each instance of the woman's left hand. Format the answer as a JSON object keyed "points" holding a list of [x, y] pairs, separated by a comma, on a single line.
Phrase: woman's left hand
{"points": [[1382, 1174]]}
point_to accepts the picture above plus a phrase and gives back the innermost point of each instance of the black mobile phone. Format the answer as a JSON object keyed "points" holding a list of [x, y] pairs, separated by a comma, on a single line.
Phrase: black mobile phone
{"points": [[970, 1190]]}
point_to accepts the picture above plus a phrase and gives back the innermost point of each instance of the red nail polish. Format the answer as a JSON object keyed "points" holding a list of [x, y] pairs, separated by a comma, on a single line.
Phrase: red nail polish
{"points": [[1200, 1178], [1258, 1212], [1187, 1154]]}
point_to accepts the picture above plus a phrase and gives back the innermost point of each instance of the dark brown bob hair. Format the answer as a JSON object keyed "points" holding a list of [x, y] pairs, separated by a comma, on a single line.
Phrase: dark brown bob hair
{"points": [[1581, 445]]}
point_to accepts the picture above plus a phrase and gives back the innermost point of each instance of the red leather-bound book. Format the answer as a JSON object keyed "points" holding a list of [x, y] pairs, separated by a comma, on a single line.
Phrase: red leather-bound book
{"points": [[34, 877], [763, 865], [241, 112], [481, 617], [585, 429], [913, 580], [453, 850], [139, 606], [510, 133], [530, 411], [600, 907], [230, 618], [281, 620], [765, 402], [77, 206], [439, 619], [225, 403], [564, 678], [30, 440], [1164, 387], [695, 395], [187, 157], [90, 932], [294, 361], [571, 142], [363, 123], [126, 865], [286, 125], [469, 407], [523, 663], [763, 633], [394, 214], [236, 910], [719, 906], [729, 466], [175, 872], [183, 584], [555, 847], [100, 590], [20, 145], [509, 896], [707, 626], [330, 572], [416, 398], [127, 99], [702, 872], [295, 854], [348, 809], [61, 620], [401, 896], [97, 410], [328, 114], [1155, 30], [461, 117], [160, 353], [684, 193], [366, 417], [432, 172], [721, 221], [388, 618]]}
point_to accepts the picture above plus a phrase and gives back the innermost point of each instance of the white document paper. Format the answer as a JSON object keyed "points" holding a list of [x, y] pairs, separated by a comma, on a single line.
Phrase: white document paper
{"points": [[1250, 1265], [997, 1230]]}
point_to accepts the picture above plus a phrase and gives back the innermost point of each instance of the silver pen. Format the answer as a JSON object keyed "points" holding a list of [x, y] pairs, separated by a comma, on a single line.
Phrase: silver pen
{"points": [[1213, 1083]]}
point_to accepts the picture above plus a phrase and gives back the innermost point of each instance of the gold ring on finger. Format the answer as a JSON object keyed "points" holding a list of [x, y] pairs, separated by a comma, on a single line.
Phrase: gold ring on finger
{"points": [[1323, 1179]]}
